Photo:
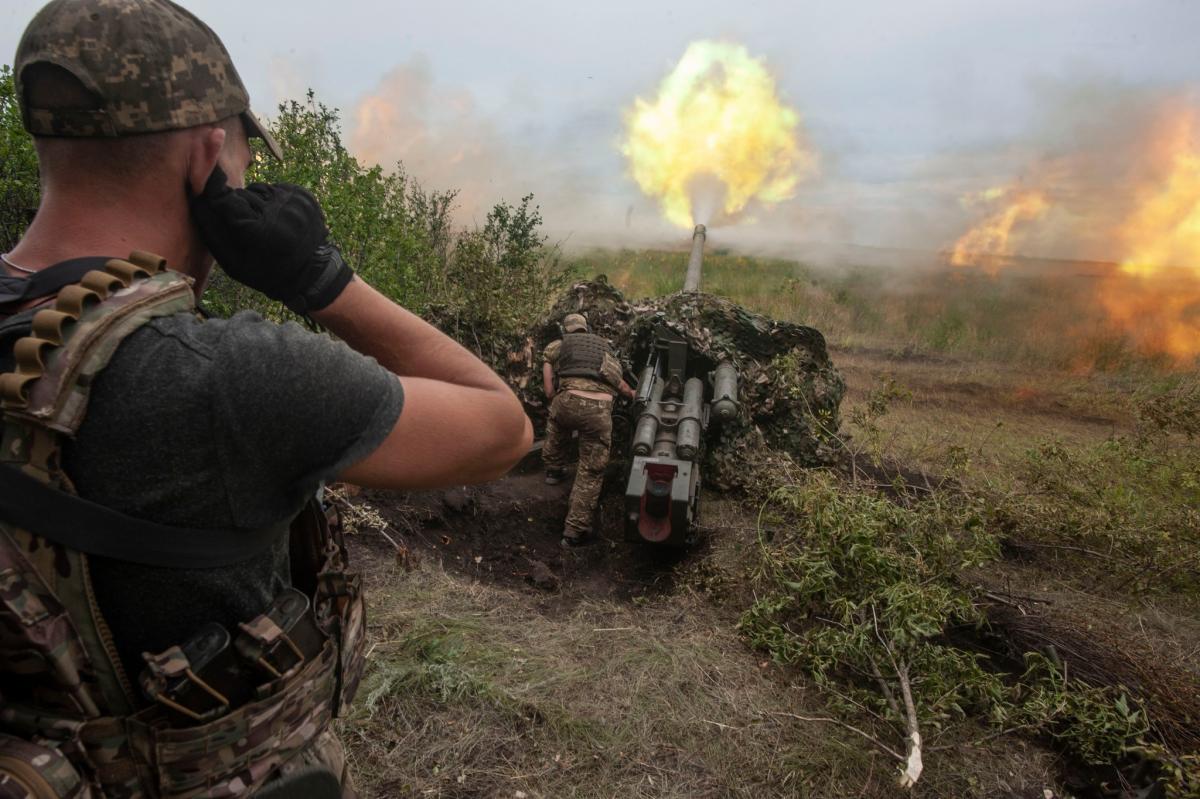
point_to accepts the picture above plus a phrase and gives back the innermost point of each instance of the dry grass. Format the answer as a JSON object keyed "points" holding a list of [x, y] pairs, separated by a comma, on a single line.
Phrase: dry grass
{"points": [[475, 690], [483, 690]]}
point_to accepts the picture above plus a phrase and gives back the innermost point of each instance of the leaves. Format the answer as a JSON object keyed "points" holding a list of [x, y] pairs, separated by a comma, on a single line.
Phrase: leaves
{"points": [[862, 593], [19, 189]]}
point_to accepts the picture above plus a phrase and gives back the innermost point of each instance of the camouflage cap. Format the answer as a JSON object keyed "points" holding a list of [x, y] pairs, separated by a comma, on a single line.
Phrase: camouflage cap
{"points": [[149, 64], [575, 323]]}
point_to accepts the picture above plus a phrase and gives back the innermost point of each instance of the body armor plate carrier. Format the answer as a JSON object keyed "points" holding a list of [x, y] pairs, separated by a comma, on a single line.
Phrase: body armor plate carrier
{"points": [[70, 722], [582, 355]]}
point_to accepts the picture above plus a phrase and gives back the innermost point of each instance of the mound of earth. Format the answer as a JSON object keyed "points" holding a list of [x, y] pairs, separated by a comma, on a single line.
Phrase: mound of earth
{"points": [[789, 389]]}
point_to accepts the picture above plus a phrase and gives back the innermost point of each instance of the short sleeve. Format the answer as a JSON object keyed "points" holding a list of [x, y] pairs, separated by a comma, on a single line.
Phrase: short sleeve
{"points": [[550, 354], [291, 409]]}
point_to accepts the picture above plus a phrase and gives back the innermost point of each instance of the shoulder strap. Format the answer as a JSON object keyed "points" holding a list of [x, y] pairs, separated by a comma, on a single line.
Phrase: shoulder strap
{"points": [[47, 396], [94, 529], [16, 291]]}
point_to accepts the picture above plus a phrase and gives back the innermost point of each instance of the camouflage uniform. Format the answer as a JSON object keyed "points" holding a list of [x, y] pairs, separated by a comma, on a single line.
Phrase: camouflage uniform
{"points": [[592, 418], [67, 726]]}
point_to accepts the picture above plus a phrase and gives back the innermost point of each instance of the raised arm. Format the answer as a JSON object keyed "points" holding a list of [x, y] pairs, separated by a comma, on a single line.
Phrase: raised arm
{"points": [[460, 424]]}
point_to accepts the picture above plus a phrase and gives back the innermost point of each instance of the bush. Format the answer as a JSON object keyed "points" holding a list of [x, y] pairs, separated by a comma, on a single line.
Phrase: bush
{"points": [[481, 285], [863, 593], [19, 189]]}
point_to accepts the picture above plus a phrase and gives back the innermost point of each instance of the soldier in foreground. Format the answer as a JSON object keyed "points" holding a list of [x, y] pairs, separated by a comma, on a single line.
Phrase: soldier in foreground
{"points": [[177, 617], [581, 377]]}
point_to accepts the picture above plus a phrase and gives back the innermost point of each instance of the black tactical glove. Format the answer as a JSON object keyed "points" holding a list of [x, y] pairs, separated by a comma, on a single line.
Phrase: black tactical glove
{"points": [[272, 238]]}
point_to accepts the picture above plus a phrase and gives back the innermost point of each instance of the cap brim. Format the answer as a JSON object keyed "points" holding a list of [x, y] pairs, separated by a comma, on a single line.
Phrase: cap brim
{"points": [[254, 128]]}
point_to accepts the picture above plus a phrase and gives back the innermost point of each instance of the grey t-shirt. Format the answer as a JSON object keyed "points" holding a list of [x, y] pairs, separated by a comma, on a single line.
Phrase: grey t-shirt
{"points": [[217, 424]]}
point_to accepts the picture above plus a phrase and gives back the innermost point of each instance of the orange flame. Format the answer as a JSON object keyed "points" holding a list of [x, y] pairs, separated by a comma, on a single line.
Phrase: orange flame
{"points": [[1155, 294], [989, 240]]}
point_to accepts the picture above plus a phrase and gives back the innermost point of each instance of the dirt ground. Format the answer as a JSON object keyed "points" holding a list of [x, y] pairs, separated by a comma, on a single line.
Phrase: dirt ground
{"points": [[507, 533], [504, 665]]}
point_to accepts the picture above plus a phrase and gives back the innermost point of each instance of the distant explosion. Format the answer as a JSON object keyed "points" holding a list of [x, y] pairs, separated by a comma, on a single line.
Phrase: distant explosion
{"points": [[716, 138], [1152, 295], [989, 240]]}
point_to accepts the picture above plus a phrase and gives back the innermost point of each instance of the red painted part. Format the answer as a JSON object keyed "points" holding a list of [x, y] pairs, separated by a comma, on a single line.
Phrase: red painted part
{"points": [[650, 528], [663, 472], [653, 529]]}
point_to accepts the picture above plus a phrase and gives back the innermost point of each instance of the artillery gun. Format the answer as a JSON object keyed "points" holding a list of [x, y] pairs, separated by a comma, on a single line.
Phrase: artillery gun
{"points": [[677, 399]]}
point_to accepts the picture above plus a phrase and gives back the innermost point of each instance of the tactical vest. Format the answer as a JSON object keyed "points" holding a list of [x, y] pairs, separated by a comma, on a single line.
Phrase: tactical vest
{"points": [[582, 355], [71, 722]]}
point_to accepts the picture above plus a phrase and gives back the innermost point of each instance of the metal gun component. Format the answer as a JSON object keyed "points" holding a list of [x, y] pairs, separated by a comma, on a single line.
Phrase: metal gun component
{"points": [[646, 383], [660, 496], [696, 260], [647, 423], [725, 391], [687, 435]]}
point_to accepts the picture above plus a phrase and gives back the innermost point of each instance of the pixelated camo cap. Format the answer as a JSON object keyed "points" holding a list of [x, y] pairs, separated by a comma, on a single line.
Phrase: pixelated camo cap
{"points": [[574, 323], [148, 65]]}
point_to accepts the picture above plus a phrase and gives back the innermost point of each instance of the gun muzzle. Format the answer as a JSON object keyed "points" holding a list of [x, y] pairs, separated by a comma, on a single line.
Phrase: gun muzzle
{"points": [[696, 260]]}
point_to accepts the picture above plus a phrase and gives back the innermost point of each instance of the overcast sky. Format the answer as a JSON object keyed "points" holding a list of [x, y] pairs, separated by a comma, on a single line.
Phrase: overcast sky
{"points": [[908, 104]]}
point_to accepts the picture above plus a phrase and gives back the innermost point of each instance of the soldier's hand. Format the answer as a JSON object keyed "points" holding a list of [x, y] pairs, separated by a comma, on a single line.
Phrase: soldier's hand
{"points": [[272, 238]]}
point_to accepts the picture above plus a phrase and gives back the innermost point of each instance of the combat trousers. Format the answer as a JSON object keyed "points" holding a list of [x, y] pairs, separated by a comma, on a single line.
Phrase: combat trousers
{"points": [[593, 419]]}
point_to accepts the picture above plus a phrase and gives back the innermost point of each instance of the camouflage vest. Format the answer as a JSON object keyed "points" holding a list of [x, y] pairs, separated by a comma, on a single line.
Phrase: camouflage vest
{"points": [[582, 355], [71, 724]]}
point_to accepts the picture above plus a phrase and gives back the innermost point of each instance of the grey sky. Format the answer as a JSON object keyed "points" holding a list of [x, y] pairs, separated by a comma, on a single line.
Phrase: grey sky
{"points": [[907, 103]]}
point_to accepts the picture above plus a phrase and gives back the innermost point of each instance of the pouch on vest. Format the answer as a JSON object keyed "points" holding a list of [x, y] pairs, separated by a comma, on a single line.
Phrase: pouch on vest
{"points": [[31, 771]]}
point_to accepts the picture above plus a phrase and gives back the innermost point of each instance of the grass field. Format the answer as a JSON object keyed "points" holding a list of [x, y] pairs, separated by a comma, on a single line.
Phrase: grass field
{"points": [[1081, 454]]}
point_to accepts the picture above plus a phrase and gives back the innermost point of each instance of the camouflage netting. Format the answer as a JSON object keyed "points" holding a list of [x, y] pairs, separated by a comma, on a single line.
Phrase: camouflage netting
{"points": [[789, 390]]}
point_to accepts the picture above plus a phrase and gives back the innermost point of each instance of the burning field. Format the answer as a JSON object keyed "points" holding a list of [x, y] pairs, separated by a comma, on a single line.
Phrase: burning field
{"points": [[973, 577], [1151, 294]]}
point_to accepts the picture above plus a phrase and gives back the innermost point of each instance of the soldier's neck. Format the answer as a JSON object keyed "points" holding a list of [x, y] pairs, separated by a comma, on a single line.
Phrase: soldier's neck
{"points": [[74, 224]]}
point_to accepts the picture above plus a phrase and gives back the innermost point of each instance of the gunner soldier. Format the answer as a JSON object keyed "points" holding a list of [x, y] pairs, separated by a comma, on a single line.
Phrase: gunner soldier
{"points": [[581, 377]]}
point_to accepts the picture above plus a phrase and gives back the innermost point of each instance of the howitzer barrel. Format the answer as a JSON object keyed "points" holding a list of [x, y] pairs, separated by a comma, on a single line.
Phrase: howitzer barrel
{"points": [[696, 260]]}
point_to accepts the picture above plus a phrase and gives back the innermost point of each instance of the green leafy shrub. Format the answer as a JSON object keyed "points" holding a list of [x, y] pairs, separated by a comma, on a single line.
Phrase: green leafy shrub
{"points": [[19, 189], [863, 593]]}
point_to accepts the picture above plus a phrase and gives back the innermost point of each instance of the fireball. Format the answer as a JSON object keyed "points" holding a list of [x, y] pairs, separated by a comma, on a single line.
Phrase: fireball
{"points": [[716, 138]]}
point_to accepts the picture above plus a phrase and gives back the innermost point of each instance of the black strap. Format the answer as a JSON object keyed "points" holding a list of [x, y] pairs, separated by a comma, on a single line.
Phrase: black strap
{"points": [[15, 291], [94, 529]]}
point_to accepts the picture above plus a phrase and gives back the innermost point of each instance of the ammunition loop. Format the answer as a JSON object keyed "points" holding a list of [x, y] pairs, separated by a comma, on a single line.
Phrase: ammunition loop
{"points": [[52, 325], [30, 355], [75, 299], [126, 271], [14, 389], [149, 261], [103, 283]]}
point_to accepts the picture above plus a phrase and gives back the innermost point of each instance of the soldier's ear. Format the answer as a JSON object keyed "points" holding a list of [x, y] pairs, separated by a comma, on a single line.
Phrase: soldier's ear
{"points": [[203, 151]]}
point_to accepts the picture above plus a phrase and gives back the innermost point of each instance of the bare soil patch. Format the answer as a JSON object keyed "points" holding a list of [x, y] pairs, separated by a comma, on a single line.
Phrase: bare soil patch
{"points": [[507, 532]]}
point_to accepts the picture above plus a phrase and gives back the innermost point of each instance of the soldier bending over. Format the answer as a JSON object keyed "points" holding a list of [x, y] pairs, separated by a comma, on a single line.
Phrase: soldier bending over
{"points": [[589, 376]]}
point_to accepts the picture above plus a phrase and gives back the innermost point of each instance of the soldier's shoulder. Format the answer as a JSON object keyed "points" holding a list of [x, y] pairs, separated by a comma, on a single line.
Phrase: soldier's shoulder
{"points": [[552, 350]]}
